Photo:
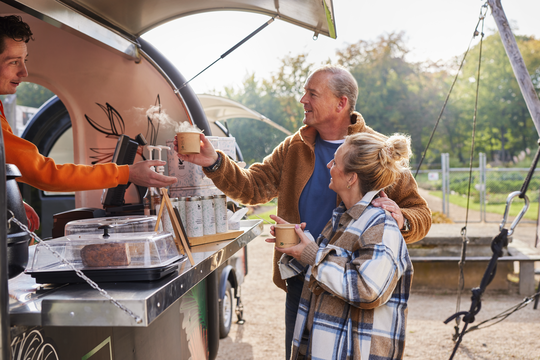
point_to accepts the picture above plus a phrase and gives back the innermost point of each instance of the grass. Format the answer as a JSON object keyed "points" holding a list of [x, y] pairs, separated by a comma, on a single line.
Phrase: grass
{"points": [[515, 207], [459, 200], [265, 215]]}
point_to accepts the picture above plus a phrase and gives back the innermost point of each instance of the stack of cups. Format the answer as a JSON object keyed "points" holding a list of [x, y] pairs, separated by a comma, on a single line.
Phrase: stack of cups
{"points": [[209, 215], [194, 217], [206, 215], [220, 204], [181, 205]]}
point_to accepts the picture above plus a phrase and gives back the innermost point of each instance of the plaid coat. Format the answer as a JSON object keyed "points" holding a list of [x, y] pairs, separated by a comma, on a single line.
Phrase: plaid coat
{"points": [[354, 300]]}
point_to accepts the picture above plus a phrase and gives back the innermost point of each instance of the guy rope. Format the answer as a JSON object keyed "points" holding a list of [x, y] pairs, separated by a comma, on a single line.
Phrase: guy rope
{"points": [[500, 241]]}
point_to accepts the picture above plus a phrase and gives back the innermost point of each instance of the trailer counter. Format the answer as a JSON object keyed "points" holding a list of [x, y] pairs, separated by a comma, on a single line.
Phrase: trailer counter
{"points": [[74, 321]]}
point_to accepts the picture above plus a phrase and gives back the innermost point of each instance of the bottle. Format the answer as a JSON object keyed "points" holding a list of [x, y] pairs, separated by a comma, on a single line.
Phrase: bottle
{"points": [[152, 198]]}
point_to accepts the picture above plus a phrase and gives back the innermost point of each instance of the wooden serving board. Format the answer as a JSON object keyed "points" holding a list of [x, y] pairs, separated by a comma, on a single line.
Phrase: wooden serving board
{"points": [[200, 240]]}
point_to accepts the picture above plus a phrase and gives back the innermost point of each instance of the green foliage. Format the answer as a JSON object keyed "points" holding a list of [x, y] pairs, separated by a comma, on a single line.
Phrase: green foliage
{"points": [[277, 99], [504, 126], [255, 138], [265, 215], [495, 208], [394, 95], [33, 95], [397, 95]]}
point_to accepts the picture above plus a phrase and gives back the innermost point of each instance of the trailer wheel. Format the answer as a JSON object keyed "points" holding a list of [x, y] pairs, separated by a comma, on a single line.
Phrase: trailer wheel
{"points": [[226, 312]]}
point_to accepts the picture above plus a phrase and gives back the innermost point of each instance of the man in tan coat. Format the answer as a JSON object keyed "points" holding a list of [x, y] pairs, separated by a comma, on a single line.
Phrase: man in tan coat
{"points": [[296, 173]]}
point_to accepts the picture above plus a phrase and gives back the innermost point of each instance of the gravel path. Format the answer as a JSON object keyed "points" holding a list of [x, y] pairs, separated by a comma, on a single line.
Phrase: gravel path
{"points": [[262, 335]]}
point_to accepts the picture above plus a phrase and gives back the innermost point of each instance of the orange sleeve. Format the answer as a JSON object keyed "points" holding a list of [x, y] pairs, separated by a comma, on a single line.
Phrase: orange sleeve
{"points": [[43, 173]]}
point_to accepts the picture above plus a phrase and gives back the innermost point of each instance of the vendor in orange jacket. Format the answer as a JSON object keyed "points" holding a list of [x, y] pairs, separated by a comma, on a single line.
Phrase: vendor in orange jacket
{"points": [[38, 170]]}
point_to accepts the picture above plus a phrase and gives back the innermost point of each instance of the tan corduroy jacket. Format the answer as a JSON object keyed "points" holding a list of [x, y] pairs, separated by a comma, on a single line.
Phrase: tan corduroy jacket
{"points": [[285, 172]]}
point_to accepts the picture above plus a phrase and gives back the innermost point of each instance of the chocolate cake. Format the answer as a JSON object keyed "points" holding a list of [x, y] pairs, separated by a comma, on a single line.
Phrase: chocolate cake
{"points": [[104, 255]]}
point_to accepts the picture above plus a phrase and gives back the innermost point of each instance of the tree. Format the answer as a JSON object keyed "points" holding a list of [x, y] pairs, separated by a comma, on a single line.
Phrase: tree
{"points": [[394, 95], [276, 98], [504, 125], [33, 95]]}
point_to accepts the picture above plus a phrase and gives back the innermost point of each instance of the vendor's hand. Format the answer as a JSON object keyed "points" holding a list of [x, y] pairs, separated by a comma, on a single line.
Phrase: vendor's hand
{"points": [[141, 174], [388, 204], [207, 157], [32, 216]]}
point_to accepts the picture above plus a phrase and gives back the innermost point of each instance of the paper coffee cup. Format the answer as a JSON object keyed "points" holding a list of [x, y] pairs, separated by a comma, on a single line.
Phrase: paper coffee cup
{"points": [[285, 235], [189, 142]]}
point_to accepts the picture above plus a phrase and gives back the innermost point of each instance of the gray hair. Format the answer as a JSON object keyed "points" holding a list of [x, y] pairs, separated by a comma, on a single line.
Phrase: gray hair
{"points": [[341, 83]]}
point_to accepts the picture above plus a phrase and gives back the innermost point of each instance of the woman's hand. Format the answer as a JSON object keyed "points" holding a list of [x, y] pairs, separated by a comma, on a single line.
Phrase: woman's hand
{"points": [[294, 251], [278, 220]]}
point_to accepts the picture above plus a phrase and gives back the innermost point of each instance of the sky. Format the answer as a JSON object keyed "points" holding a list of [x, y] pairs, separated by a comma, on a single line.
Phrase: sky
{"points": [[434, 30]]}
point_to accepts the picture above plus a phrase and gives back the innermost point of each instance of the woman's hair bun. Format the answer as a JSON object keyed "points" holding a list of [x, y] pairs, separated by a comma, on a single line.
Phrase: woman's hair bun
{"points": [[398, 147], [377, 159]]}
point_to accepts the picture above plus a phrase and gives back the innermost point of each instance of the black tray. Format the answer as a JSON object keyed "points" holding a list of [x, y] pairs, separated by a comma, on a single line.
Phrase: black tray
{"points": [[104, 275]]}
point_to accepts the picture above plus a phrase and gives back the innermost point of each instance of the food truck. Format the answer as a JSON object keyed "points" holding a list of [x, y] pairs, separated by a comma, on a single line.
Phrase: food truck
{"points": [[89, 53]]}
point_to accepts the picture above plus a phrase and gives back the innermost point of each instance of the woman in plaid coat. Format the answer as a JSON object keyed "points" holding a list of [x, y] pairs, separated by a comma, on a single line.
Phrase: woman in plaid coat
{"points": [[359, 274]]}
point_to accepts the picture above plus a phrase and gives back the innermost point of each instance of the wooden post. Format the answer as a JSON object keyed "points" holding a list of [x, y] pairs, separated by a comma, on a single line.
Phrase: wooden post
{"points": [[516, 60]]}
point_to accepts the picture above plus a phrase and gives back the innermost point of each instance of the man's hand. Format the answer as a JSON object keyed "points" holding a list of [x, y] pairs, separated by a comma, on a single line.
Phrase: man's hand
{"points": [[388, 204], [32, 216], [141, 174], [207, 157]]}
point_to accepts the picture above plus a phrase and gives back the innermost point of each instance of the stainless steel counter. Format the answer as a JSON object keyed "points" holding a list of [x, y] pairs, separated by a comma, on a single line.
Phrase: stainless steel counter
{"points": [[33, 304]]}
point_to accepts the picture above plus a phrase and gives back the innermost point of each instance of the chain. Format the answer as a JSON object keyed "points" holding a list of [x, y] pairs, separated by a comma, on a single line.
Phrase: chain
{"points": [[79, 273]]}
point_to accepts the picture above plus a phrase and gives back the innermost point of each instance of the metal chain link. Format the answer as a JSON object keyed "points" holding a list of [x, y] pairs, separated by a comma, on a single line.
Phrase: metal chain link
{"points": [[79, 273]]}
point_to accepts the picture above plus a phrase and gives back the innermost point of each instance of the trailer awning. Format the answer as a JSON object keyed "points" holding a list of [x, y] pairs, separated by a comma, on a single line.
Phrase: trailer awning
{"points": [[136, 17]]}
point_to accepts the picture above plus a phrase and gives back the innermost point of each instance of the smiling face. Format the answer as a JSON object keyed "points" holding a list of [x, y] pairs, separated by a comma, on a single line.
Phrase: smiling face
{"points": [[339, 179], [320, 104], [12, 65]]}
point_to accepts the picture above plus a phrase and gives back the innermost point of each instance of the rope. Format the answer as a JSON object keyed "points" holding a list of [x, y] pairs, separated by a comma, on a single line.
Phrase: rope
{"points": [[529, 176], [475, 34], [500, 317], [497, 245], [464, 238]]}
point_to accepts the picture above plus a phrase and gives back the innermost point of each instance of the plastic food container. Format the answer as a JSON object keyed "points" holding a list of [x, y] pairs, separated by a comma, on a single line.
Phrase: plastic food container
{"points": [[119, 224], [105, 251]]}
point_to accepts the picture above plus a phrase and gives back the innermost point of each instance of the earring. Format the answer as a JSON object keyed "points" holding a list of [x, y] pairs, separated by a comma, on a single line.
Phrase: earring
{"points": [[348, 186]]}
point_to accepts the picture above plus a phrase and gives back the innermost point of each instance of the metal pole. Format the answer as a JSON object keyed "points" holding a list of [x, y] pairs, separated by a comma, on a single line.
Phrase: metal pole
{"points": [[482, 165], [448, 183], [5, 349], [516, 60], [443, 173]]}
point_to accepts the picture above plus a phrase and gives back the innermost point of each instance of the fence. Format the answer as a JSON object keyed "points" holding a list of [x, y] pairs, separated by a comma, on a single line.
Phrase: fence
{"points": [[490, 188]]}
